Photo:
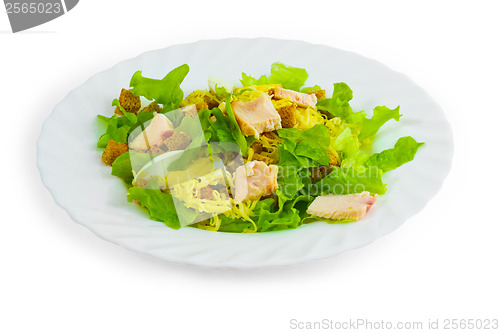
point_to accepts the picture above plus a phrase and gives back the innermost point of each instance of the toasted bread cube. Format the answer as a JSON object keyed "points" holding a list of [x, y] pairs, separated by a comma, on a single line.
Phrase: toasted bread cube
{"points": [[177, 141], [112, 151], [287, 112], [152, 107], [320, 93], [129, 102]]}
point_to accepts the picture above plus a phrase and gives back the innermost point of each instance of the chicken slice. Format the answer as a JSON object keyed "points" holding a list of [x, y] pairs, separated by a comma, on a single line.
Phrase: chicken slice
{"points": [[254, 180], [301, 99], [155, 133], [257, 116], [342, 207]]}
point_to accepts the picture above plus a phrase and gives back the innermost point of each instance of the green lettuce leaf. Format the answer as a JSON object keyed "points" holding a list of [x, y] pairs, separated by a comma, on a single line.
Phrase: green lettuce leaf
{"points": [[292, 179], [268, 217], [306, 146], [381, 115], [117, 129], [160, 205], [347, 144], [404, 151], [166, 91], [289, 77], [306, 90], [122, 167], [338, 105], [224, 128], [350, 180], [286, 217]]}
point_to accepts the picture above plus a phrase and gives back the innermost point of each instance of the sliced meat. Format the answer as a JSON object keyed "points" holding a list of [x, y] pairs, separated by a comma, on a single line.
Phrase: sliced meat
{"points": [[257, 116], [155, 133], [301, 99], [254, 180], [342, 207]]}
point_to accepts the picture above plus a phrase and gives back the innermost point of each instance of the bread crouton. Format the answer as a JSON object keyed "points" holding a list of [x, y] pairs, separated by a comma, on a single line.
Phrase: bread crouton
{"points": [[177, 141], [287, 112], [129, 102], [112, 151], [320, 93], [257, 147], [156, 150], [152, 107], [202, 105], [320, 172], [206, 192]]}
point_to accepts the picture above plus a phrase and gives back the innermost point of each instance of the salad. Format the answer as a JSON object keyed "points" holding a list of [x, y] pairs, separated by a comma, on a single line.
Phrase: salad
{"points": [[266, 154]]}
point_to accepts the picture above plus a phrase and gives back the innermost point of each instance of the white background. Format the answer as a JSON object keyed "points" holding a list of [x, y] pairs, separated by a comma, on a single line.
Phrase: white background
{"points": [[57, 276]]}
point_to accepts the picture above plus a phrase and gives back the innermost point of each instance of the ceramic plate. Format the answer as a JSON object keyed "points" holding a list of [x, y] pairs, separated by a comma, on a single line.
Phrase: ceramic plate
{"points": [[70, 165]]}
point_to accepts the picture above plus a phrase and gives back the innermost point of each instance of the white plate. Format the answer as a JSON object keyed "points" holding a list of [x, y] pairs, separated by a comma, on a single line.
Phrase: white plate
{"points": [[70, 164]]}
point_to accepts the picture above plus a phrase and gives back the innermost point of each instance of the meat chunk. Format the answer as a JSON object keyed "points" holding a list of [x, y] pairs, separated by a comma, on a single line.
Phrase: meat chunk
{"points": [[342, 207], [155, 133], [301, 99], [254, 180], [257, 116], [112, 151], [129, 102]]}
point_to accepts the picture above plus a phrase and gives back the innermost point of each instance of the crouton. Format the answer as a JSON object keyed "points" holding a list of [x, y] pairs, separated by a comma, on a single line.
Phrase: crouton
{"points": [[320, 93], [155, 150], [287, 111], [201, 105], [177, 141], [129, 102], [320, 172], [152, 107], [257, 147], [112, 151], [206, 192]]}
